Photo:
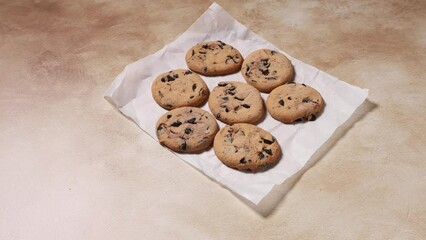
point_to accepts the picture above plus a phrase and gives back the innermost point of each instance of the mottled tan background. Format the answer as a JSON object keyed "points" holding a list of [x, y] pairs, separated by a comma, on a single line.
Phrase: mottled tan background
{"points": [[72, 167]]}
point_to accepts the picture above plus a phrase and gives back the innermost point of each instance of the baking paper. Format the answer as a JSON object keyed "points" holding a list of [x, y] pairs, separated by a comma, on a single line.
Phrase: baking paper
{"points": [[131, 94]]}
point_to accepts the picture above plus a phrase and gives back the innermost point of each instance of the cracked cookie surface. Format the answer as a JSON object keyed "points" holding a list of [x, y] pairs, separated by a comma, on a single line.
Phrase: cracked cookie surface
{"points": [[179, 88], [294, 102], [266, 69], [236, 102], [246, 147], [186, 129], [214, 58]]}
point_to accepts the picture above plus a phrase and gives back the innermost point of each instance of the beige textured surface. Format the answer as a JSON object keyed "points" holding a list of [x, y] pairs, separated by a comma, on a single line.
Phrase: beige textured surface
{"points": [[71, 167]]}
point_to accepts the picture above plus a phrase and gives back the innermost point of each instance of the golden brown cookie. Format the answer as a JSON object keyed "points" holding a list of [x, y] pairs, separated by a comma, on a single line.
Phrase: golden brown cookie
{"points": [[266, 69], [293, 102], [214, 58], [246, 147], [186, 129], [236, 102], [179, 88]]}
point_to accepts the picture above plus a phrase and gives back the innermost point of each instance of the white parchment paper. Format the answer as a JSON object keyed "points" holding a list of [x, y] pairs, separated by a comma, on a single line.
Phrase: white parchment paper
{"points": [[131, 94]]}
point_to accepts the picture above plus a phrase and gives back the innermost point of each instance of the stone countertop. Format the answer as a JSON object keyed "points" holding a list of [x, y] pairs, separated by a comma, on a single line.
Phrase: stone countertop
{"points": [[73, 167]]}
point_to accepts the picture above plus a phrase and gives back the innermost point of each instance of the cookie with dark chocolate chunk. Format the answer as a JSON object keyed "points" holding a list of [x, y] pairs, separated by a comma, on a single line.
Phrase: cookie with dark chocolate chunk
{"points": [[179, 88], [266, 69], [246, 147], [294, 102], [236, 102], [186, 129], [214, 58]]}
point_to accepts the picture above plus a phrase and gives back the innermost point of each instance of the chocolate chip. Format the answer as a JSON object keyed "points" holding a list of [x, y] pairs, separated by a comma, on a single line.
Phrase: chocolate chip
{"points": [[236, 108], [188, 72], [281, 102], [271, 78], [163, 79], [169, 116], [170, 78], [221, 43], [243, 161], [265, 72], [225, 98], [306, 100], [161, 94], [191, 120], [246, 105], [183, 146], [160, 128], [265, 63], [289, 98], [313, 118], [273, 53], [205, 46], [222, 84], [176, 76], [169, 105], [268, 141], [201, 92], [191, 97], [231, 88], [226, 109], [188, 130], [218, 115], [205, 69], [193, 52], [176, 124], [261, 156], [194, 86], [241, 99], [268, 151], [303, 84]]}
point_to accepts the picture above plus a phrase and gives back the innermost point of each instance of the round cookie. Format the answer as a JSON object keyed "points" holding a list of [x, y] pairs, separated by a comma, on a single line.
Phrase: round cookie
{"points": [[236, 102], [186, 129], [179, 88], [246, 147], [293, 102], [214, 58], [266, 69]]}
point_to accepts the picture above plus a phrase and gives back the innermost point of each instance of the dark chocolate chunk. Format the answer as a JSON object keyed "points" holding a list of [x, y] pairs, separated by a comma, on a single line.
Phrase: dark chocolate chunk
{"points": [[268, 141], [273, 53], [281, 102], [236, 108], [188, 72], [313, 118], [176, 124], [226, 109], [169, 116], [265, 72], [225, 98], [289, 98], [265, 63], [188, 130], [201, 92], [306, 100], [218, 115], [221, 43], [205, 46], [160, 128], [183, 146], [303, 84], [170, 78], [191, 120], [241, 99], [222, 84], [261, 156], [246, 105], [231, 88], [163, 79], [243, 161], [194, 86], [169, 105], [193, 52], [268, 151], [161, 94], [205, 69], [191, 97]]}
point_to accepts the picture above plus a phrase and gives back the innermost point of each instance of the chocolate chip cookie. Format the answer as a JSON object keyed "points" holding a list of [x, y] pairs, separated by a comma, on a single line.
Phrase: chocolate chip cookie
{"points": [[246, 147], [266, 69], [214, 58], [179, 88], [294, 102], [186, 129], [236, 102]]}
